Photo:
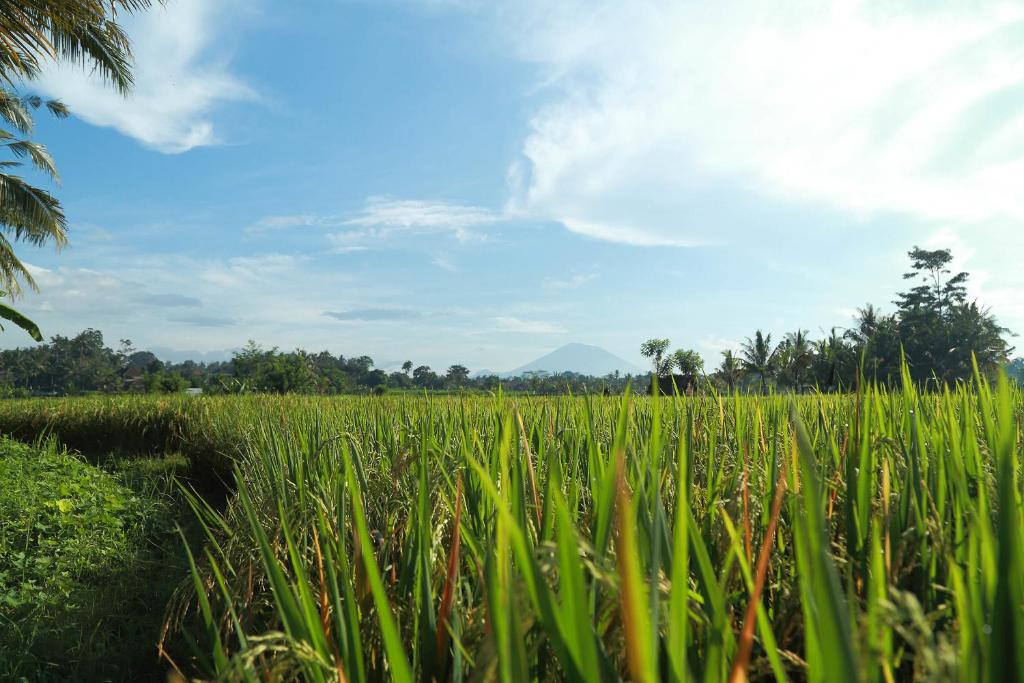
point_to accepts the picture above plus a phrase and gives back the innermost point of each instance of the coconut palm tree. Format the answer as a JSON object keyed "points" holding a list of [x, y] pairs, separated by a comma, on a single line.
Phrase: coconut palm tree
{"points": [[27, 213], [731, 371], [758, 357], [796, 355], [84, 32], [835, 358], [33, 32], [866, 325]]}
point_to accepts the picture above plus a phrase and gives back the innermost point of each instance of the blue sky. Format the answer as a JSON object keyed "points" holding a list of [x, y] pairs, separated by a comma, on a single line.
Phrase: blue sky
{"points": [[481, 182]]}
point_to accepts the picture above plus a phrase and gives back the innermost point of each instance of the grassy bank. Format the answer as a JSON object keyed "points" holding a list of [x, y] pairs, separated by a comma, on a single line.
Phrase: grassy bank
{"points": [[88, 558]]}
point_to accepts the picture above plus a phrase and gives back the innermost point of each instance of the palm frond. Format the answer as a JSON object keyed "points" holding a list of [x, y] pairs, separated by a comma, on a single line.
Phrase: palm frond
{"points": [[33, 214], [58, 109], [78, 31], [39, 155], [13, 271], [19, 319], [104, 46], [14, 111]]}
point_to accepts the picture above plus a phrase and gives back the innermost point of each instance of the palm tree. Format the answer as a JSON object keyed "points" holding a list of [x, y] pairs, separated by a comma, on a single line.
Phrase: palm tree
{"points": [[730, 370], [833, 354], [33, 32], [27, 213], [84, 32], [758, 357], [867, 321], [798, 353]]}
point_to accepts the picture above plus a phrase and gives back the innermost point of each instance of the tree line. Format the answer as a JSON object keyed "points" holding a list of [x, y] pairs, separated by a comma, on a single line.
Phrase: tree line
{"points": [[84, 364], [934, 327]]}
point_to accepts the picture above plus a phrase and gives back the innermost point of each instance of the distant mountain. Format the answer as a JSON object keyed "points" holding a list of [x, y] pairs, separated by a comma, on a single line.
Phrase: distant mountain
{"points": [[580, 358]]}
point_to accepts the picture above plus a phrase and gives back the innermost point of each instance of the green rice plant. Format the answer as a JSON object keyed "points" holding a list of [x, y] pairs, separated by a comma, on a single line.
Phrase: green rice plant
{"points": [[867, 536]]}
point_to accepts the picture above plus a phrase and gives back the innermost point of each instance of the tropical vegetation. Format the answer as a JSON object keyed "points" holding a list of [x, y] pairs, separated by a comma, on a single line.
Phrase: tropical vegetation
{"points": [[874, 535], [34, 33]]}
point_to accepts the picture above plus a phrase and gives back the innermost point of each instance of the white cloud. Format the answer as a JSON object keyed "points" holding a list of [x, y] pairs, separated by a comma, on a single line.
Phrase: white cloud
{"points": [[711, 348], [178, 301], [180, 77], [572, 282], [383, 215], [81, 289], [857, 105], [444, 262], [248, 271], [384, 218], [999, 284], [287, 222], [508, 323]]}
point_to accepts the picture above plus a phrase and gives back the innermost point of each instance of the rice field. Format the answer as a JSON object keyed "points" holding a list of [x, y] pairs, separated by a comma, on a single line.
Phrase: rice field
{"points": [[874, 536]]}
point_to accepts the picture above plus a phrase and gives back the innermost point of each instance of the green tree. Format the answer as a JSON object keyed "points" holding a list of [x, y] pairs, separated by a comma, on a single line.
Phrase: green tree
{"points": [[758, 357], [424, 377], [731, 370], [162, 382], [835, 361], [655, 350], [938, 328], [535, 379], [876, 343], [935, 291], [1015, 370], [795, 356], [457, 375], [688, 362]]}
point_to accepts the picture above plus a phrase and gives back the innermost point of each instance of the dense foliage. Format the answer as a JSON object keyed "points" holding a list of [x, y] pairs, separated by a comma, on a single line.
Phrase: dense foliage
{"points": [[82, 557], [934, 329], [84, 364]]}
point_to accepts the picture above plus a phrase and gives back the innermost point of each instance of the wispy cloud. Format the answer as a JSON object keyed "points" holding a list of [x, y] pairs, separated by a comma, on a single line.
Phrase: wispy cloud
{"points": [[200, 320], [290, 221], [572, 282], [374, 314], [171, 300], [444, 262], [383, 219], [405, 213], [248, 271], [507, 323], [178, 301], [181, 77], [653, 105]]}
